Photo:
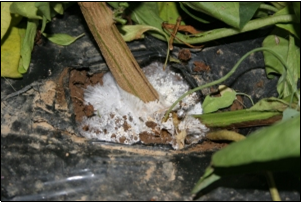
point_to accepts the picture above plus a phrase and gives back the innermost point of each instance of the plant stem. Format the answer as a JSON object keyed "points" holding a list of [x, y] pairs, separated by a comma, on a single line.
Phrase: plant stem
{"points": [[225, 32], [226, 76], [268, 7], [118, 56], [272, 186]]}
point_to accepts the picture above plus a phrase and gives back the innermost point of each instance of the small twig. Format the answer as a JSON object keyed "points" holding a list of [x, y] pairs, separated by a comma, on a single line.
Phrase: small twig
{"points": [[9, 84], [23, 90], [78, 99], [272, 186], [174, 32]]}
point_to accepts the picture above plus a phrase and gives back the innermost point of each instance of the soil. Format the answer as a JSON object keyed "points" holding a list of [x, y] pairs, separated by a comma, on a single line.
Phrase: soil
{"points": [[78, 81]]}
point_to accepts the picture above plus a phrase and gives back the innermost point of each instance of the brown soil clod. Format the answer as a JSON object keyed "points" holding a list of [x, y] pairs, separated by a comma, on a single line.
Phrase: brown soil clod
{"points": [[184, 55], [201, 67]]}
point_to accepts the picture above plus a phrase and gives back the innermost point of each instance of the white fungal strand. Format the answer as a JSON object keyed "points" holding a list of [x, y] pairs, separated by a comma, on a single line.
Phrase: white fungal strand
{"points": [[121, 117]]}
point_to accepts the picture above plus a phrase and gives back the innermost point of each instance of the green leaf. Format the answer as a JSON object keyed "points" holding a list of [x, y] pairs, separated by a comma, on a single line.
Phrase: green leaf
{"points": [[44, 9], [168, 12], [247, 11], [279, 141], [234, 14], [26, 9], [133, 32], [290, 53], [287, 82], [10, 54], [293, 28], [58, 7], [293, 62], [226, 119], [289, 113], [203, 183], [47, 10], [44, 22], [191, 15], [297, 9], [62, 39], [28, 44], [280, 46], [226, 99], [227, 12], [5, 17], [279, 5], [141, 12], [270, 104]]}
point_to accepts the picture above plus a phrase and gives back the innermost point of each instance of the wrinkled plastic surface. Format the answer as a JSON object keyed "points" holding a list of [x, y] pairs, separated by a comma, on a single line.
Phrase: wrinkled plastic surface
{"points": [[43, 158]]}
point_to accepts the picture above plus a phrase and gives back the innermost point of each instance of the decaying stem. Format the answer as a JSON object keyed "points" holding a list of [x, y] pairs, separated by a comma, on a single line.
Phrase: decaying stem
{"points": [[118, 56]]}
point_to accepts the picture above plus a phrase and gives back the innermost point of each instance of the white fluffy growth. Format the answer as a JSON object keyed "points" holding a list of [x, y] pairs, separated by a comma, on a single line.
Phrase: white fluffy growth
{"points": [[121, 117]]}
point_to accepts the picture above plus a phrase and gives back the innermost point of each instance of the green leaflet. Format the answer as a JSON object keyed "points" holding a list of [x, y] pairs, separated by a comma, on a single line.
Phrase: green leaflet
{"points": [[141, 12], [297, 9], [279, 141], [289, 113], [44, 9], [293, 28], [226, 119], [247, 11], [235, 14], [61, 39], [290, 53], [10, 54], [26, 9], [212, 104], [270, 104], [168, 12], [205, 180], [133, 32], [202, 20], [27, 45], [5, 17]]}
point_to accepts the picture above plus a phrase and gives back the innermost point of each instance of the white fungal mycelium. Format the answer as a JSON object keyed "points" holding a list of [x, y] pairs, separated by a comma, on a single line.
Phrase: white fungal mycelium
{"points": [[121, 117]]}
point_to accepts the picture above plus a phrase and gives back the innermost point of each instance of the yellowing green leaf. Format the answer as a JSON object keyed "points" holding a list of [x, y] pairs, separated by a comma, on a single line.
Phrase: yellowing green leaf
{"points": [[10, 54], [225, 135], [5, 17], [26, 9], [62, 39], [168, 11]]}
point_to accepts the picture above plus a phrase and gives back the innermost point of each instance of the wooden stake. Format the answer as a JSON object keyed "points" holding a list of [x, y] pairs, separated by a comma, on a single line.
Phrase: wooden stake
{"points": [[118, 56]]}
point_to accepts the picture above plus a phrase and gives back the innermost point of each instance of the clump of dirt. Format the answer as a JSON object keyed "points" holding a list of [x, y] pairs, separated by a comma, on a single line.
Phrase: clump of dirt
{"points": [[201, 67], [184, 55], [78, 81]]}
